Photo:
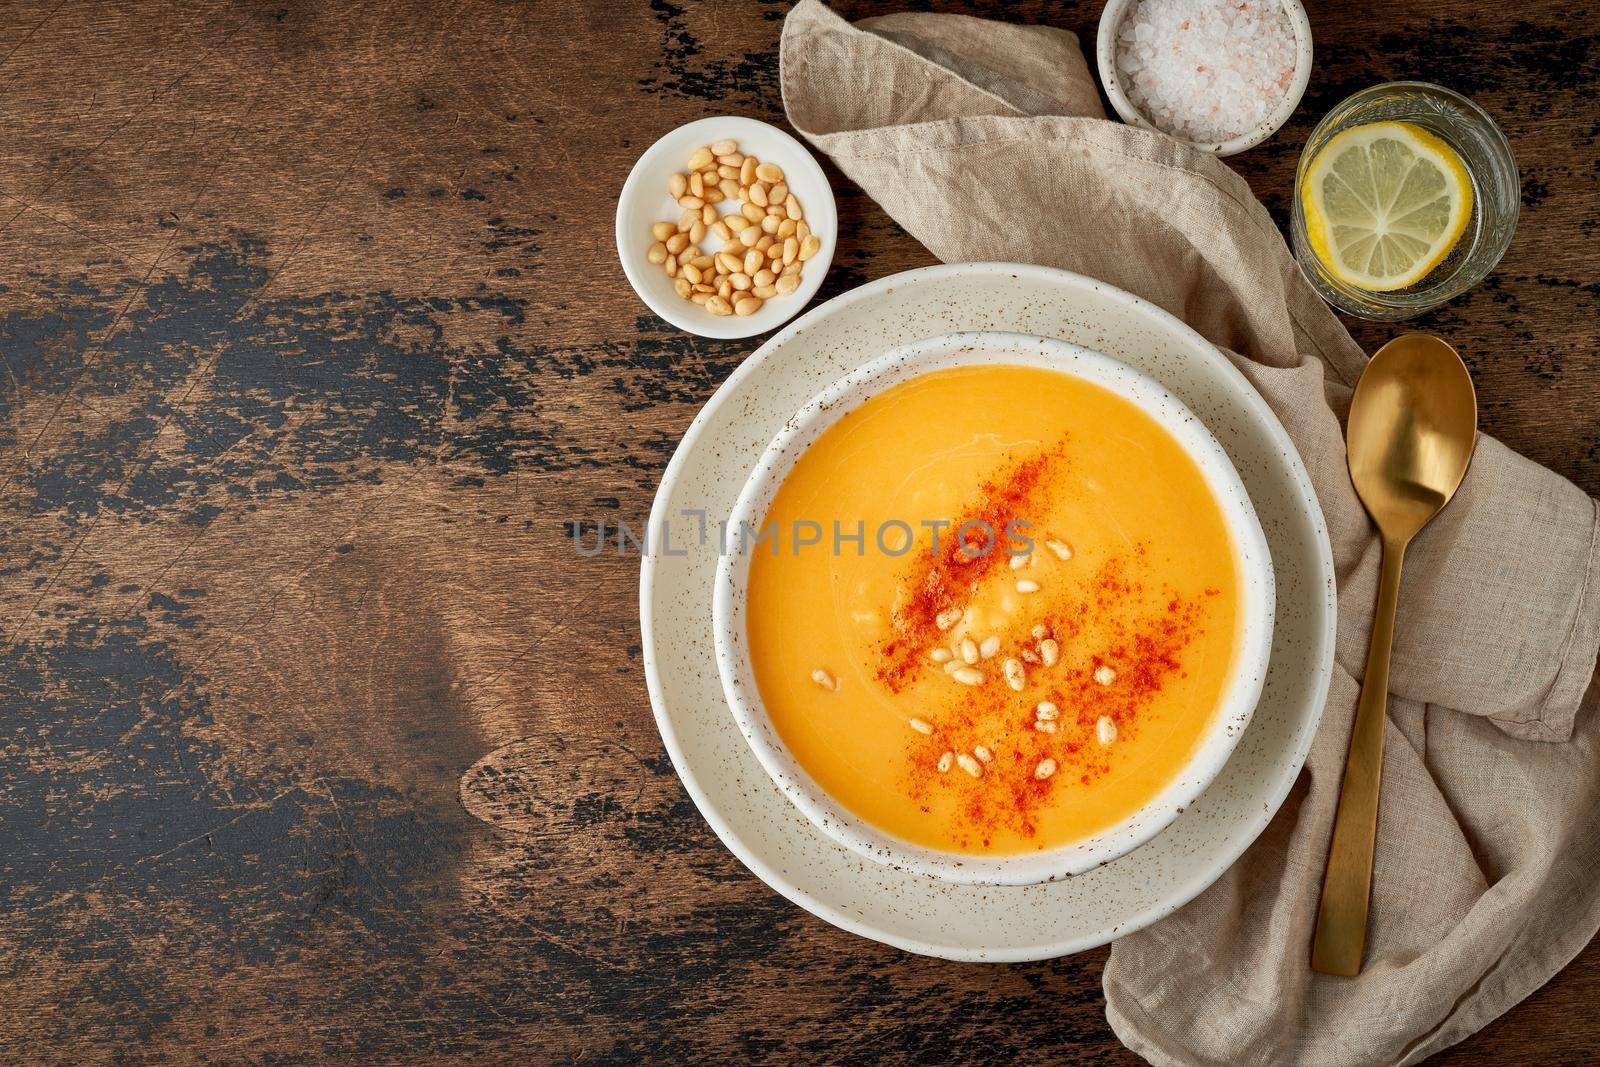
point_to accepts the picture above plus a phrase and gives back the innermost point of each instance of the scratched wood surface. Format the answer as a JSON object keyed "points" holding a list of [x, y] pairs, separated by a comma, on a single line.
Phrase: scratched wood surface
{"points": [[316, 739]]}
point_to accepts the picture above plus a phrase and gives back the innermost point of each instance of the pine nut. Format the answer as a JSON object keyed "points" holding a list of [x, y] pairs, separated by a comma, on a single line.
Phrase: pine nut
{"points": [[787, 284], [749, 236], [786, 228], [701, 157], [1030, 656], [947, 618], [712, 195], [751, 212], [764, 242], [1047, 711], [946, 761], [671, 266], [677, 243], [662, 230], [697, 232], [657, 254], [723, 147], [769, 225], [728, 187], [747, 170], [1039, 632], [1105, 675], [719, 305], [967, 676], [811, 247], [720, 228], [741, 282], [791, 207], [970, 765], [921, 726], [769, 172], [736, 222], [983, 754], [752, 261], [677, 185], [801, 230], [1045, 769], [704, 288], [1105, 730], [703, 262], [1016, 677], [793, 268], [691, 201], [824, 679], [941, 655], [688, 255], [683, 287], [778, 193], [725, 290], [1049, 651], [969, 650], [1062, 550], [697, 185], [763, 277], [708, 214], [1027, 585], [758, 194], [692, 272], [731, 159], [727, 264], [1045, 726], [989, 647], [724, 171], [791, 248], [1020, 561], [765, 292], [699, 297]]}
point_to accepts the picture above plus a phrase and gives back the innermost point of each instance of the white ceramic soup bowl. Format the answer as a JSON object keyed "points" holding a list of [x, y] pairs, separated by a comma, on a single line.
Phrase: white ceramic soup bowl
{"points": [[1241, 690]]}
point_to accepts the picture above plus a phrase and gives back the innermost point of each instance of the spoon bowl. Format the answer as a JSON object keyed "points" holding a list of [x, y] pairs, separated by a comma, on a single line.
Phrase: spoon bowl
{"points": [[1411, 432]]}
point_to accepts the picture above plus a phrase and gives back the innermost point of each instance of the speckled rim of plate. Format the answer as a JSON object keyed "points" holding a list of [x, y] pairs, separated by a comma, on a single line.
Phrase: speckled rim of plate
{"points": [[1235, 704], [914, 912]]}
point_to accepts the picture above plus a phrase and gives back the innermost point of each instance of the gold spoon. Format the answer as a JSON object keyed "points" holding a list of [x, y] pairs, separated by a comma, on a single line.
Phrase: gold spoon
{"points": [[1412, 427]]}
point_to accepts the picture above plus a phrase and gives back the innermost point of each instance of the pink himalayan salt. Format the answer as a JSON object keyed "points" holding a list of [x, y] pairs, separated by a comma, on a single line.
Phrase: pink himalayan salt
{"points": [[1205, 70]]}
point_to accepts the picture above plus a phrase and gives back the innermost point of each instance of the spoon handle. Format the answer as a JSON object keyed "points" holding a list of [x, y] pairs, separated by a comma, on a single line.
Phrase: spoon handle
{"points": [[1347, 884]]}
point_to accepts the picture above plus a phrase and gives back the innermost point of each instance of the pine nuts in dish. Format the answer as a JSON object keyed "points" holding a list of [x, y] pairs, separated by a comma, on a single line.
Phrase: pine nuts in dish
{"points": [[762, 235]]}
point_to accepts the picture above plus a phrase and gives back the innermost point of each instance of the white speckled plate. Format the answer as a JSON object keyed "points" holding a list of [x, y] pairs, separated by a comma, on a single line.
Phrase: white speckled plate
{"points": [[748, 811]]}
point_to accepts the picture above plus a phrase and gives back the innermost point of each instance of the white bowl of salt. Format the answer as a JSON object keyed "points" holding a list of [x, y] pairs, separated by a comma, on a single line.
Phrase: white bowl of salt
{"points": [[1221, 75]]}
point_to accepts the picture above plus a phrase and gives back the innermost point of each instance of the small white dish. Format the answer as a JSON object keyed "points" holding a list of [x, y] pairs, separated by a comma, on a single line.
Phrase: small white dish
{"points": [[994, 348], [1105, 51], [644, 200], [751, 815]]}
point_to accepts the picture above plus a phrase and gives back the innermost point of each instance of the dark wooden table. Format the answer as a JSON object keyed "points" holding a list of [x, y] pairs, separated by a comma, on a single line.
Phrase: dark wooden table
{"points": [[315, 737]]}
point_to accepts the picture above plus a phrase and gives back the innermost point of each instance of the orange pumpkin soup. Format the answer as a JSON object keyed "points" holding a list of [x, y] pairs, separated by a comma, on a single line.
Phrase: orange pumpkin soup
{"points": [[1046, 667]]}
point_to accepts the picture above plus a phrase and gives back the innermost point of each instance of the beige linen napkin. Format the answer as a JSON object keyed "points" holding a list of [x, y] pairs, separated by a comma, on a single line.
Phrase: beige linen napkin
{"points": [[987, 142]]}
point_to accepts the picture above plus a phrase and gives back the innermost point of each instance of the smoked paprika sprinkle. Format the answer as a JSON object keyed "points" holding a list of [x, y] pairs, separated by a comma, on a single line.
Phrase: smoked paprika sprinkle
{"points": [[1096, 647]]}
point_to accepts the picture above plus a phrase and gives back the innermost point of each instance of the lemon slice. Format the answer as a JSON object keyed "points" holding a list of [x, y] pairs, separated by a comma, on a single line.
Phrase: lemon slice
{"points": [[1384, 204]]}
